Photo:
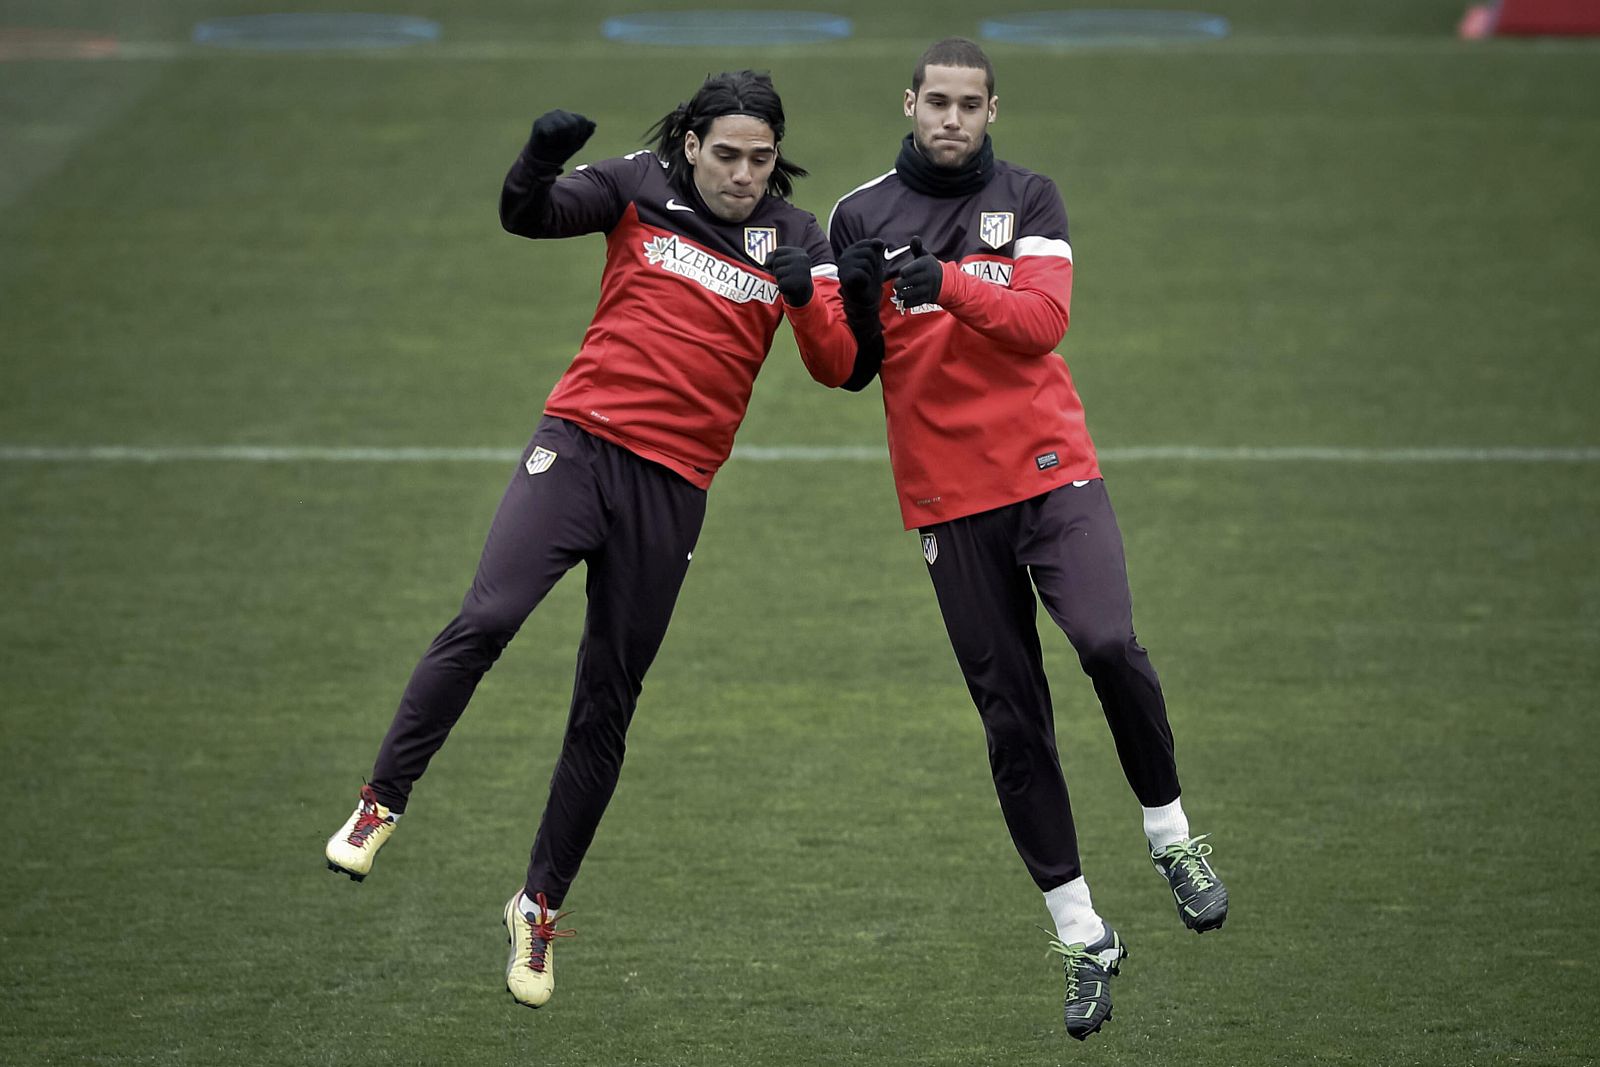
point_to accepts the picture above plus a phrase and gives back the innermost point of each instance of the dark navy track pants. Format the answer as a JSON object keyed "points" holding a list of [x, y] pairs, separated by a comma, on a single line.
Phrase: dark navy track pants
{"points": [[634, 523], [985, 569]]}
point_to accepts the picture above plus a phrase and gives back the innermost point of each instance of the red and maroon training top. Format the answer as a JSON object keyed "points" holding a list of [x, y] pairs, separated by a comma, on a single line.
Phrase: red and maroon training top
{"points": [[687, 313], [981, 411]]}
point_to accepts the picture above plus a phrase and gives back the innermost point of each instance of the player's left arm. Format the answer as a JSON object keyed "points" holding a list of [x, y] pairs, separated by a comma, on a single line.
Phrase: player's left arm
{"points": [[861, 278], [809, 283], [1032, 315]]}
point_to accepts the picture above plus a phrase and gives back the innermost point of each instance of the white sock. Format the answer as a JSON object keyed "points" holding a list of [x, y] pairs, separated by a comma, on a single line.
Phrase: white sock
{"points": [[1166, 825], [529, 908], [1074, 913]]}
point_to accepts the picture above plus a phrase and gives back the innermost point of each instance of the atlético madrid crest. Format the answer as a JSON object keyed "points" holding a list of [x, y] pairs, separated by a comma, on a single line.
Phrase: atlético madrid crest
{"points": [[759, 241], [539, 460], [995, 227], [930, 548]]}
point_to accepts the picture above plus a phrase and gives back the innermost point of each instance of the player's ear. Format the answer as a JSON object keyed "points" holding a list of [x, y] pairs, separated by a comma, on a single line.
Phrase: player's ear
{"points": [[994, 107], [910, 103], [691, 147]]}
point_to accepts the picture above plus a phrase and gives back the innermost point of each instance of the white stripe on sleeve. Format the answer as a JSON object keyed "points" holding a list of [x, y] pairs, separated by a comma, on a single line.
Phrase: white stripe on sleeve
{"points": [[1043, 246]]}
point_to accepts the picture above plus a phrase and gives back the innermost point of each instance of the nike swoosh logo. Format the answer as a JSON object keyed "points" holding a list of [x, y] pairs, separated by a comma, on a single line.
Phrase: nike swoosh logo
{"points": [[890, 253], [673, 205]]}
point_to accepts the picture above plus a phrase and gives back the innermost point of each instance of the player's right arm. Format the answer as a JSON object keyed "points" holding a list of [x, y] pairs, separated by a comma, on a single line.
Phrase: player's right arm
{"points": [[1029, 316], [533, 203]]}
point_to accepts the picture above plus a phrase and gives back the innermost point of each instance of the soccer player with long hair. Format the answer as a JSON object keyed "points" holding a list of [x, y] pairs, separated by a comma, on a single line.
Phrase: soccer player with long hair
{"points": [[704, 256]]}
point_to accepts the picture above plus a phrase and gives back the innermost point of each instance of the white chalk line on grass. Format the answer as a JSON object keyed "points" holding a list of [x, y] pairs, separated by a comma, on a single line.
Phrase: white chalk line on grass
{"points": [[772, 453]]}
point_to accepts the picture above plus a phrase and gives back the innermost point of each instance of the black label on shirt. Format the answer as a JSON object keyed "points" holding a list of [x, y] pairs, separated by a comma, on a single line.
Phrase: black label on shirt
{"points": [[1046, 461]]}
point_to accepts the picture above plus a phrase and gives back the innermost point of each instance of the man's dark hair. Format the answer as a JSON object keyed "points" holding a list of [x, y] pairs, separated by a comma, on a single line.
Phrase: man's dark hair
{"points": [[741, 92], [953, 52]]}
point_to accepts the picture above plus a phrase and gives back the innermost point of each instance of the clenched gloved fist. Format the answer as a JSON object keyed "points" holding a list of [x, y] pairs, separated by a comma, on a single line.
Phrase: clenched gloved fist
{"points": [[920, 279], [861, 275], [792, 267], [557, 135]]}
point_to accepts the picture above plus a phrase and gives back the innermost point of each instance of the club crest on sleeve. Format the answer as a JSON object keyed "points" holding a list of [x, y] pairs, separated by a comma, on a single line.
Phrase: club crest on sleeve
{"points": [[930, 548], [995, 227], [539, 460], [759, 241]]}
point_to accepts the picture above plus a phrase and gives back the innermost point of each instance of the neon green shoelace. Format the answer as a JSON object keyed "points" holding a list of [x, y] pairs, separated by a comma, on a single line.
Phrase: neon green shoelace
{"points": [[1073, 955], [1189, 855]]}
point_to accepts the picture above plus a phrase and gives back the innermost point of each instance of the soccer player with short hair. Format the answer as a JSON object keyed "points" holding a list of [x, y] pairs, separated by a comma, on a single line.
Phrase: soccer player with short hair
{"points": [[994, 465], [704, 255]]}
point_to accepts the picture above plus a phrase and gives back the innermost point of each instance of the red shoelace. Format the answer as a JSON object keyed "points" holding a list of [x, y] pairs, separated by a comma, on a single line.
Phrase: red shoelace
{"points": [[543, 931], [369, 819]]}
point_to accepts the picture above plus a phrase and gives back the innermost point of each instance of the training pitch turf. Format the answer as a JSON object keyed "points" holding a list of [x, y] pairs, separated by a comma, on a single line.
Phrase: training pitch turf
{"points": [[1339, 228]]}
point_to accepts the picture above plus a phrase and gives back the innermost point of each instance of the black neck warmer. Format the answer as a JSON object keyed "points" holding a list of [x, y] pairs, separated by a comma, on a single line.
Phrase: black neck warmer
{"points": [[923, 177]]}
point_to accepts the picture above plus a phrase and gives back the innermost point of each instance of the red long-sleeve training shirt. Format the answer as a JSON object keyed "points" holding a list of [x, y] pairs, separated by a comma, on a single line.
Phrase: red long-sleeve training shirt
{"points": [[686, 313], [981, 411]]}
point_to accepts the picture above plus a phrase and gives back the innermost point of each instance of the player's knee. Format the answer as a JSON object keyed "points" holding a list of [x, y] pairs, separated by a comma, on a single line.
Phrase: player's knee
{"points": [[1103, 648], [1016, 751], [1014, 738], [600, 737], [1012, 777], [489, 622]]}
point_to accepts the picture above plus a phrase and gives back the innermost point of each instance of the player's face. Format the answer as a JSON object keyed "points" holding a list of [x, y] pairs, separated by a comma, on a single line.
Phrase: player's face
{"points": [[950, 114], [732, 165]]}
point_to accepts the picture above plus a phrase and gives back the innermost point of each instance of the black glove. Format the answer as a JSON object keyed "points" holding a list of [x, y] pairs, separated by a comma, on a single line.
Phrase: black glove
{"points": [[861, 269], [792, 267], [557, 136], [920, 279], [861, 278]]}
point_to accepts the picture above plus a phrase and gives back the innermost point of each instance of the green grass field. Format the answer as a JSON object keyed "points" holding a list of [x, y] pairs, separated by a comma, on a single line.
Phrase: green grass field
{"points": [[1339, 228]]}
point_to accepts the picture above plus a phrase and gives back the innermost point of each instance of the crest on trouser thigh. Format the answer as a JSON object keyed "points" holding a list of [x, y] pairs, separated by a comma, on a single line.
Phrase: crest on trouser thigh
{"points": [[539, 460], [930, 548]]}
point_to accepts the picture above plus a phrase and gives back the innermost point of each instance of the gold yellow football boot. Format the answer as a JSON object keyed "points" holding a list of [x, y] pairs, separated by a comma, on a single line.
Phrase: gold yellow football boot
{"points": [[530, 971], [352, 849]]}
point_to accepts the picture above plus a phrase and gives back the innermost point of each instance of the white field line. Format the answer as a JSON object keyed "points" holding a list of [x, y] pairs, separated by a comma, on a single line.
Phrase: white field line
{"points": [[770, 453]]}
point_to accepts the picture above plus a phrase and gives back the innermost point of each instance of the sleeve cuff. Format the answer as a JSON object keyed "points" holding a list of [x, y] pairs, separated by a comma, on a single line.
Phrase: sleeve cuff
{"points": [[954, 287]]}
